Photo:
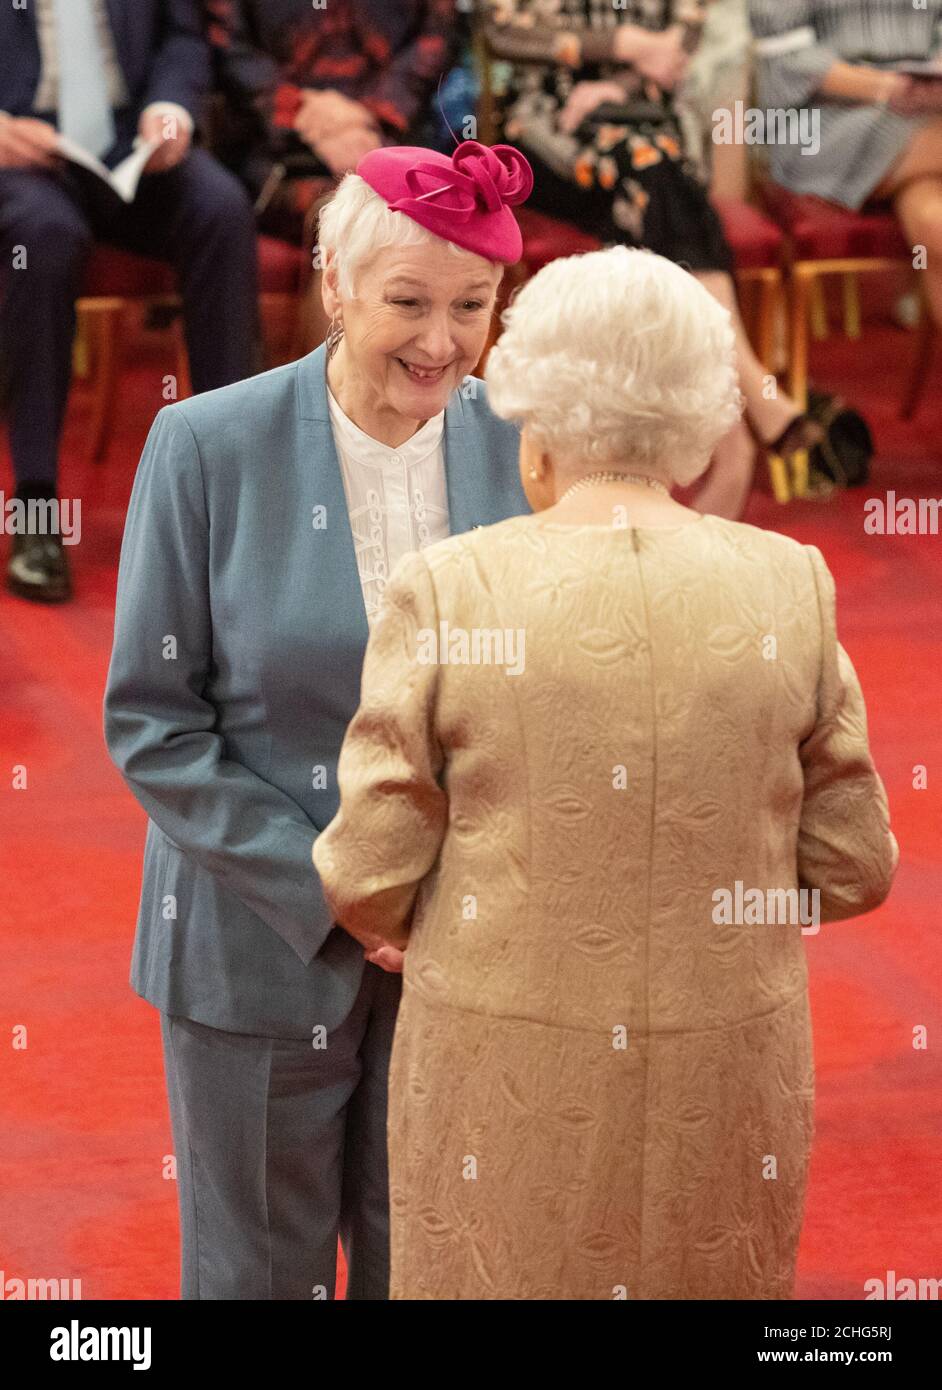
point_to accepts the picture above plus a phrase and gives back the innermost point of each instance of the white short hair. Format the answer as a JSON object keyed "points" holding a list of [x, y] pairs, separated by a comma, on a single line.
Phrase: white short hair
{"points": [[618, 357], [357, 223]]}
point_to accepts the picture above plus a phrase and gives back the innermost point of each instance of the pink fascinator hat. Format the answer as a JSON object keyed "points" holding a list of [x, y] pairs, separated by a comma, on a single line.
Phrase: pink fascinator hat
{"points": [[465, 197]]}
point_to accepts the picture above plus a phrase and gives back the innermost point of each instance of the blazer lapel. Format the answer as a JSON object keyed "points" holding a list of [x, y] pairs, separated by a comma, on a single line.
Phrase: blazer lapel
{"points": [[339, 587], [461, 476]]}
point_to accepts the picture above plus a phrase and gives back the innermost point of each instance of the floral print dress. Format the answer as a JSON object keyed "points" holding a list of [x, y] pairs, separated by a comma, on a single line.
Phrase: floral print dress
{"points": [[627, 181]]}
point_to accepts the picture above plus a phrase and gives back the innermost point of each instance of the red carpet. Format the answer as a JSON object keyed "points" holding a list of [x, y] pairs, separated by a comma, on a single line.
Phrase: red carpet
{"points": [[84, 1117]]}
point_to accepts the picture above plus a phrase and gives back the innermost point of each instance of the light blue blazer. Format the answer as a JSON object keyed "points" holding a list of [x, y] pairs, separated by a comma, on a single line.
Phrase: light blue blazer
{"points": [[239, 638]]}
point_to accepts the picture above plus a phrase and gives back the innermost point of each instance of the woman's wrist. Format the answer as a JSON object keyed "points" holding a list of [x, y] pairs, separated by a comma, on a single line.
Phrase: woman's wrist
{"points": [[889, 88], [864, 86], [629, 42]]}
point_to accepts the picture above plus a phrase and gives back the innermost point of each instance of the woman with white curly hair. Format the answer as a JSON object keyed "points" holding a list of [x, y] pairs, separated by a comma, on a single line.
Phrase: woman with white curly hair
{"points": [[586, 738]]}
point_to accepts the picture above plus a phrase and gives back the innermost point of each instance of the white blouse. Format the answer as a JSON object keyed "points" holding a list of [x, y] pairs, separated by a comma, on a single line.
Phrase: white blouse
{"points": [[397, 498]]}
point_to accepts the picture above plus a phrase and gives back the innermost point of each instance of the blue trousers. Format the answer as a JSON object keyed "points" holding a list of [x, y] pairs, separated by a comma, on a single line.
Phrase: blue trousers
{"points": [[196, 216], [280, 1148]]}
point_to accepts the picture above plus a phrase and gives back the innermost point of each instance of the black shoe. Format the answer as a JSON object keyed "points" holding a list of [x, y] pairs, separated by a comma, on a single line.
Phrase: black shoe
{"points": [[38, 569]]}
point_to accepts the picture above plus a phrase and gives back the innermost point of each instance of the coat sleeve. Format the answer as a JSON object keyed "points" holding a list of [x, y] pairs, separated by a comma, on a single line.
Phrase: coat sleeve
{"points": [[791, 60], [393, 812], [160, 724], [846, 849]]}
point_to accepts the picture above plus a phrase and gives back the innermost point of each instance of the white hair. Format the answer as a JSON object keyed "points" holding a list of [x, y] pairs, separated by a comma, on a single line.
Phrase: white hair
{"points": [[618, 357], [357, 223]]}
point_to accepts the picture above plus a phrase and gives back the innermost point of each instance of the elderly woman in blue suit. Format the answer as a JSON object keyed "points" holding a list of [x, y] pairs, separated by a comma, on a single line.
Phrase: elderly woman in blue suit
{"points": [[263, 522]]}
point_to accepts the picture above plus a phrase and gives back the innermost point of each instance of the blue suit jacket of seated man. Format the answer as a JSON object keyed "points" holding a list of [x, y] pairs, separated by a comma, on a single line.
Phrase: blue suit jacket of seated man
{"points": [[239, 638], [159, 45]]}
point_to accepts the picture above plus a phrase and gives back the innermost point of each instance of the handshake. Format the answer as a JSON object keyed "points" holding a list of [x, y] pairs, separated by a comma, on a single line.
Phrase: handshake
{"points": [[388, 957]]}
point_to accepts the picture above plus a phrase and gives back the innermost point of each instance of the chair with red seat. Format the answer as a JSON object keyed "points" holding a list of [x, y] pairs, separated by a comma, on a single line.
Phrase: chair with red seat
{"points": [[115, 280], [756, 244], [545, 239], [824, 239], [755, 241]]}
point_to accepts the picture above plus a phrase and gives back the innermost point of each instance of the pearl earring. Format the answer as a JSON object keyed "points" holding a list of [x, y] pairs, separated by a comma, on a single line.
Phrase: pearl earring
{"points": [[532, 472]]}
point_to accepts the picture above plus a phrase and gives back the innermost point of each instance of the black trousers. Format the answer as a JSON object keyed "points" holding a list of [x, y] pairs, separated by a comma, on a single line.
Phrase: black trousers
{"points": [[196, 216]]}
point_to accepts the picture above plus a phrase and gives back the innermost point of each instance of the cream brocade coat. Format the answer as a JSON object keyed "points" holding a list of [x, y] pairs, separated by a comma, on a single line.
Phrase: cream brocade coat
{"points": [[595, 1090]]}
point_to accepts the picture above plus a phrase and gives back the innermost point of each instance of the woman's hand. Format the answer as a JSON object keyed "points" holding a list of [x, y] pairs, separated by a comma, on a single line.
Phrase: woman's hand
{"points": [[323, 113], [387, 957], [657, 55], [583, 100], [343, 150], [339, 131]]}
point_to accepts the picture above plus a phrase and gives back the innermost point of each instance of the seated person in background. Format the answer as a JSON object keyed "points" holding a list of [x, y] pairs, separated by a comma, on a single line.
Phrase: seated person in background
{"points": [[103, 74], [880, 130], [311, 90], [628, 179], [719, 74]]}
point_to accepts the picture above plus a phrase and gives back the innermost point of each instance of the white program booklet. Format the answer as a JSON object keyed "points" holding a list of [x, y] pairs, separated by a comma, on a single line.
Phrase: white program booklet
{"points": [[124, 177]]}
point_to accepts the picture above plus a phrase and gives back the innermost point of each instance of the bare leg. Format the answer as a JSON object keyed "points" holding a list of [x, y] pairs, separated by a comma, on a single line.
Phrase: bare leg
{"points": [[915, 186], [727, 485], [919, 209], [769, 408], [729, 480]]}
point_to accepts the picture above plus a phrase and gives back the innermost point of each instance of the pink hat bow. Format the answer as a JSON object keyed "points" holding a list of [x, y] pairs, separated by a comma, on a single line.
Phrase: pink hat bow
{"points": [[464, 198]]}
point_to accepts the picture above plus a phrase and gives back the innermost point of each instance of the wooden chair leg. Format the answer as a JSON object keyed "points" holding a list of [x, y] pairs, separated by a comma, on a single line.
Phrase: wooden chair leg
{"points": [[819, 310], [747, 299], [769, 291], [81, 347], [104, 321], [778, 477], [798, 336], [182, 361], [850, 289], [800, 473], [919, 373]]}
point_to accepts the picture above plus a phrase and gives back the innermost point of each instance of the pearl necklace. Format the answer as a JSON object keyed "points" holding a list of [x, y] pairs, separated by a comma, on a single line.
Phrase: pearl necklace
{"points": [[591, 479]]}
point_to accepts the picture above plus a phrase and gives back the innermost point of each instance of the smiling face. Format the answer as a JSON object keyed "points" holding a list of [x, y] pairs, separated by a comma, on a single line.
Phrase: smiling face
{"points": [[415, 329]]}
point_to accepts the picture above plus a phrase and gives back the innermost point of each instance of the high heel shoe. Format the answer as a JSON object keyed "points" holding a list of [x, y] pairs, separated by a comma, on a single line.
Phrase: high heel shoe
{"points": [[787, 459]]}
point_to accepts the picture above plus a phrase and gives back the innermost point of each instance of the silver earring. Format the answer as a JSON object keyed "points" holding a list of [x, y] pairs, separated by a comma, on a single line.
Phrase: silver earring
{"points": [[334, 334]]}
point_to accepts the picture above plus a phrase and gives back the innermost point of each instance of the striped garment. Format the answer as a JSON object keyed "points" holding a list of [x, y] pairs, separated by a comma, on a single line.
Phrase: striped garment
{"points": [[797, 41]]}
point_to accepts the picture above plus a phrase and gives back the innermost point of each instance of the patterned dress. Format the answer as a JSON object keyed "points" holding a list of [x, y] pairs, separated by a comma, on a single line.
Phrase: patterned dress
{"points": [[796, 42], [599, 1089], [629, 182], [388, 57]]}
